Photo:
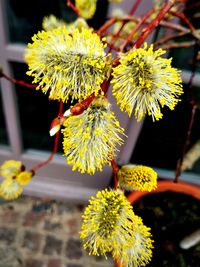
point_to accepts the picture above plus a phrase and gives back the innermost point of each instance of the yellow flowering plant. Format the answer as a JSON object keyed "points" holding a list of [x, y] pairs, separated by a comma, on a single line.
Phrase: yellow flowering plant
{"points": [[75, 63]]}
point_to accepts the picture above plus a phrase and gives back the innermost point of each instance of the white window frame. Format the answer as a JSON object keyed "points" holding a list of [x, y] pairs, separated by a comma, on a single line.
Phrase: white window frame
{"points": [[56, 180]]}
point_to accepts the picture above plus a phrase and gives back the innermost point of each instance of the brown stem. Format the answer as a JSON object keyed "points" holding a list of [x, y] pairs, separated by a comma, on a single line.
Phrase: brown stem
{"points": [[115, 171], [187, 141], [17, 81], [154, 23], [168, 37], [177, 45]]}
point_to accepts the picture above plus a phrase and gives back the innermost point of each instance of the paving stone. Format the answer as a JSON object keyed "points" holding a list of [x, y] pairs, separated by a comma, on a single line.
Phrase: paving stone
{"points": [[7, 234], [52, 226], [33, 219], [10, 257], [74, 249], [32, 241], [72, 226], [34, 263], [54, 263], [9, 217], [52, 246]]}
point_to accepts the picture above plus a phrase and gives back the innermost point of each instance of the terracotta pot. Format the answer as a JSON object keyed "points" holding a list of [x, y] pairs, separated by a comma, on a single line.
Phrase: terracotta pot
{"points": [[163, 186]]}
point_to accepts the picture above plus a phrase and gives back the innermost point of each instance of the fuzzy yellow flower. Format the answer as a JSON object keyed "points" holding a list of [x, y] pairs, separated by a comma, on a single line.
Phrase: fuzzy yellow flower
{"points": [[141, 178], [144, 82], [24, 177], [91, 138], [10, 168], [139, 253], [86, 8], [67, 64], [10, 189], [108, 223], [51, 22]]}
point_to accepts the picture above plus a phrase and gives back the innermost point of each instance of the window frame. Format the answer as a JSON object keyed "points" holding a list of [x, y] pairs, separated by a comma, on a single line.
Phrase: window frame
{"points": [[57, 179]]}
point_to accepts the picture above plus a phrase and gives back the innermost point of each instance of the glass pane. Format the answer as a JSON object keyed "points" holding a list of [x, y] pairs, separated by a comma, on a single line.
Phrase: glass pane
{"points": [[3, 132], [36, 113], [160, 143], [25, 17]]}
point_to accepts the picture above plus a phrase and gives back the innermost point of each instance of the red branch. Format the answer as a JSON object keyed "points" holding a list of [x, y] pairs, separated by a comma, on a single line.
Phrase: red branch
{"points": [[184, 19], [55, 147], [154, 23], [28, 85], [129, 37], [134, 7], [70, 5], [115, 171]]}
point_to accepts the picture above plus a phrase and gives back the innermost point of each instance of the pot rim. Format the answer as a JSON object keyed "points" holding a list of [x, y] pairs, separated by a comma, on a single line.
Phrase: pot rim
{"points": [[168, 185]]}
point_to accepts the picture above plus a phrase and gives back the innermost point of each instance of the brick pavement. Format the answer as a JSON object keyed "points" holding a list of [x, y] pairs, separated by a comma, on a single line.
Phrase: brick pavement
{"points": [[39, 233]]}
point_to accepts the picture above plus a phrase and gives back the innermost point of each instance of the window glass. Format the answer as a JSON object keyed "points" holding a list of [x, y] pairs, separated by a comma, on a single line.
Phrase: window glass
{"points": [[25, 17], [3, 132], [36, 113], [160, 143]]}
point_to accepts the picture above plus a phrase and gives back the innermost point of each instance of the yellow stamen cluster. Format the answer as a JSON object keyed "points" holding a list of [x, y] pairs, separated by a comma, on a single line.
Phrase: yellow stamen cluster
{"points": [[14, 179], [86, 8], [10, 168], [67, 64], [90, 139], [141, 178], [139, 253], [144, 82], [110, 225]]}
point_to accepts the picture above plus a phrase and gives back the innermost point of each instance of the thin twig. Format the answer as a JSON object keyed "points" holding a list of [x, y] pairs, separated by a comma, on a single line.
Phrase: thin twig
{"points": [[28, 85], [154, 23]]}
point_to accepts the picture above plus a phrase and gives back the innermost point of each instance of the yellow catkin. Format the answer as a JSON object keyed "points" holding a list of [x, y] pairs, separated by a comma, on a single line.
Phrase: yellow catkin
{"points": [[90, 139], [110, 225], [144, 82], [67, 64], [10, 189], [86, 8], [141, 178], [24, 177], [10, 168]]}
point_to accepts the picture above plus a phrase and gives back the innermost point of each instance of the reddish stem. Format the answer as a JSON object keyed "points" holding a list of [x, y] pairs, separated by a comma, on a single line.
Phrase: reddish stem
{"points": [[129, 37], [28, 85], [134, 7], [55, 147], [70, 5], [106, 25], [115, 171], [183, 18], [154, 23]]}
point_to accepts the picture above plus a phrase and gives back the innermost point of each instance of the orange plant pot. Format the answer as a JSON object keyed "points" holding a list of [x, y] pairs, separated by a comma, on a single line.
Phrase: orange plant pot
{"points": [[163, 186]]}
